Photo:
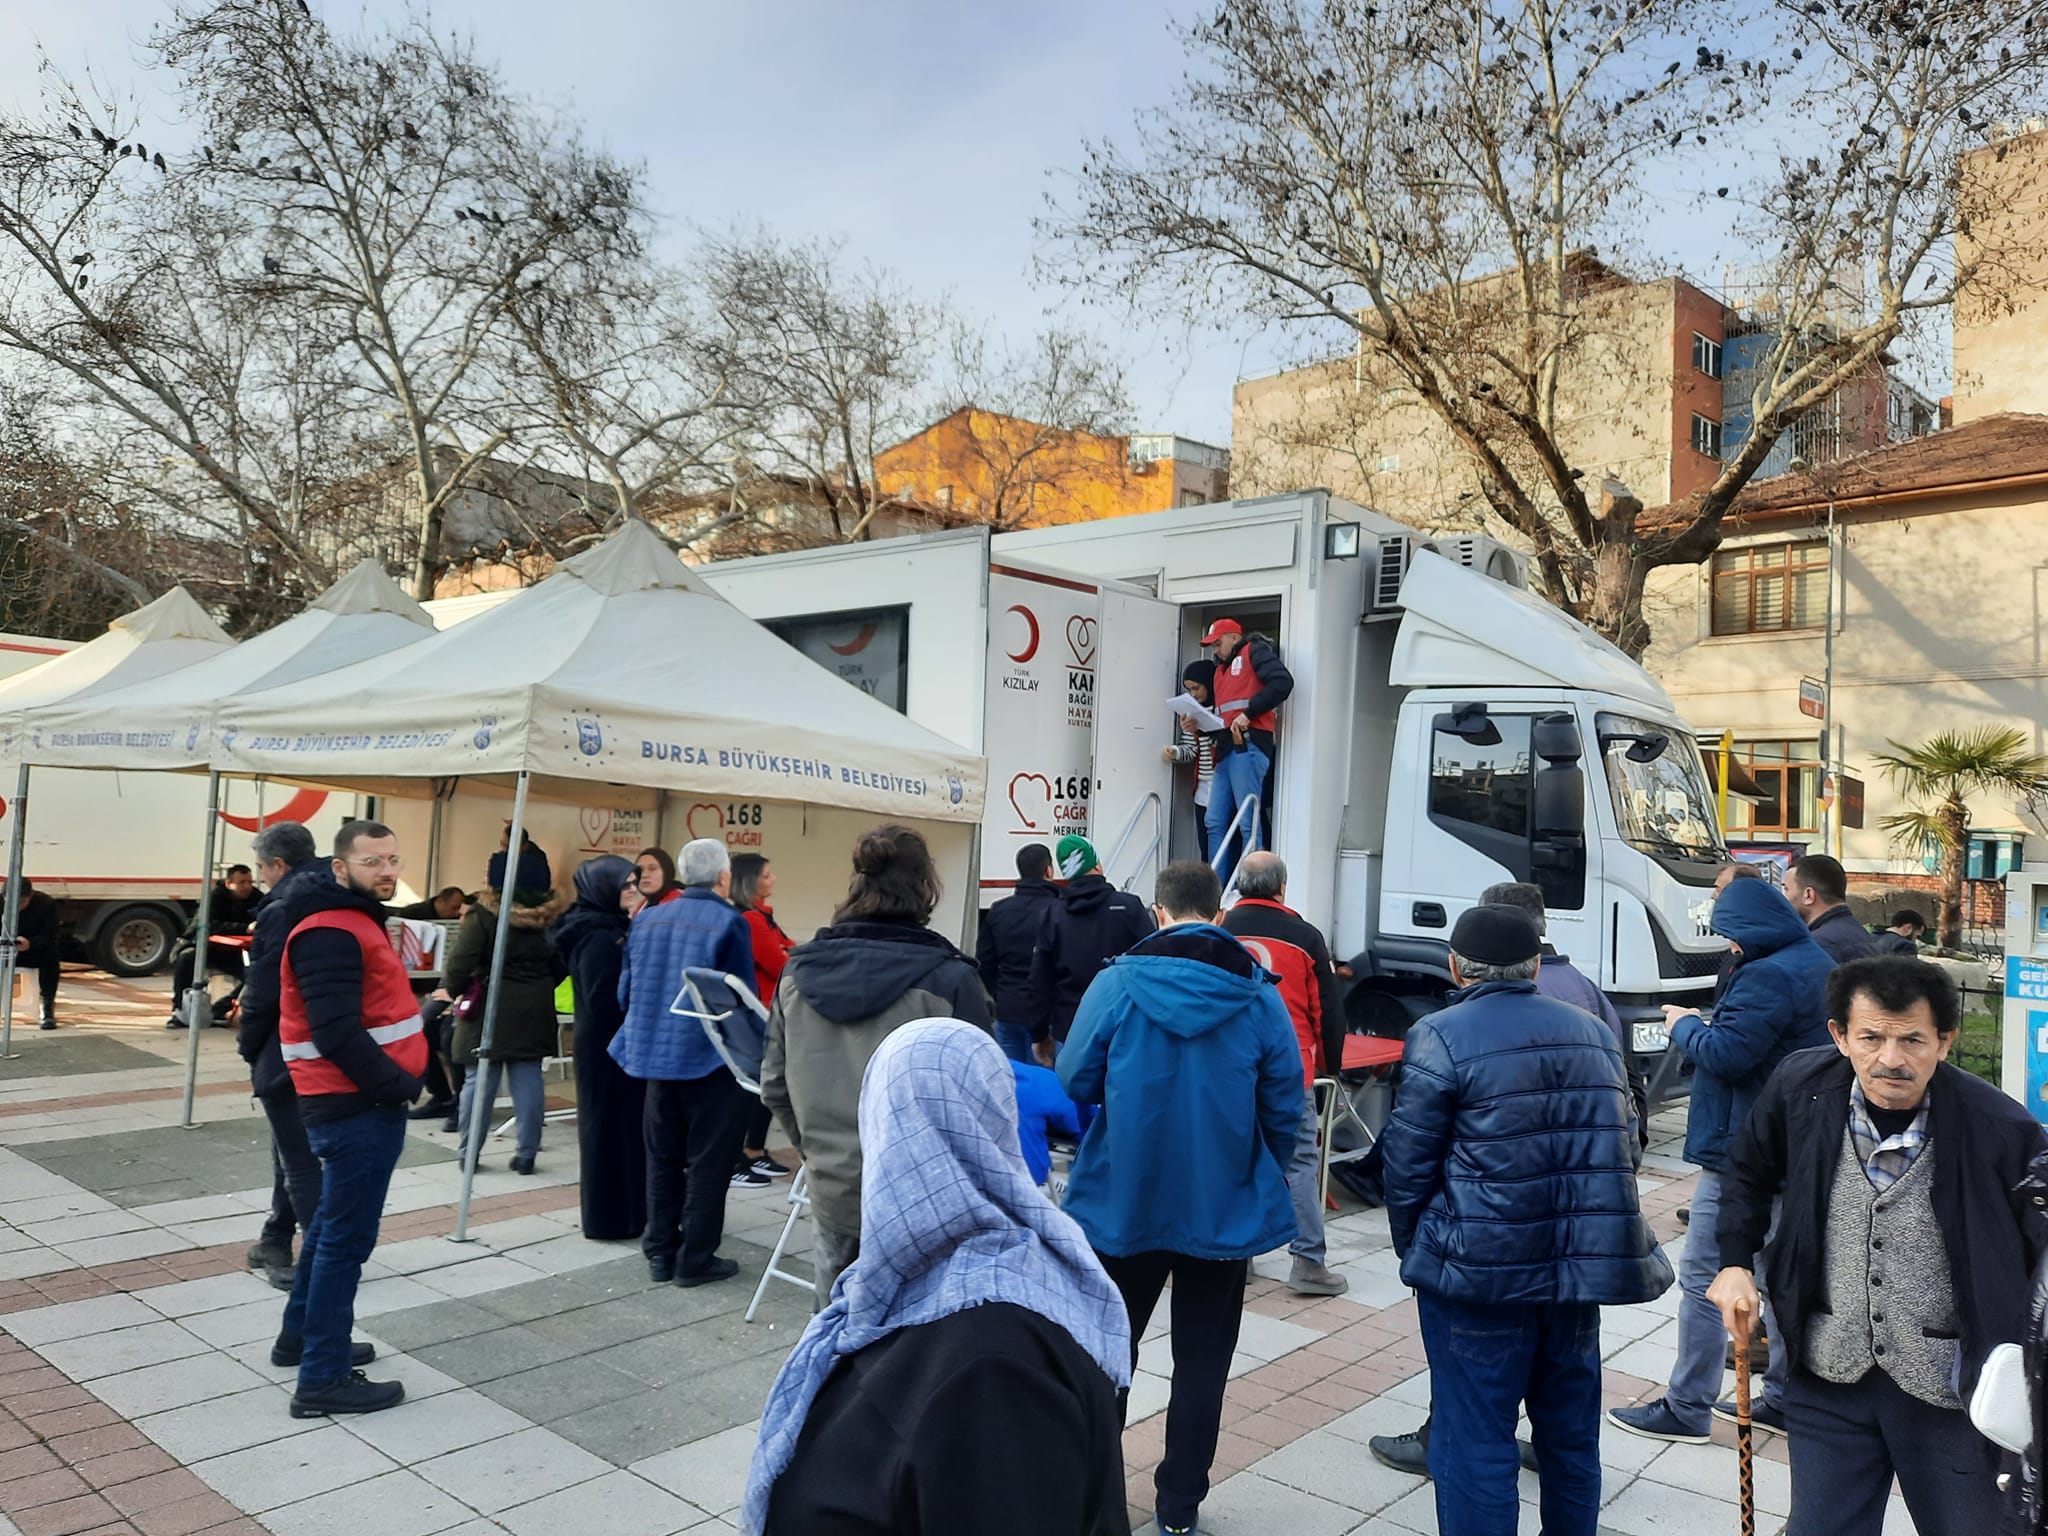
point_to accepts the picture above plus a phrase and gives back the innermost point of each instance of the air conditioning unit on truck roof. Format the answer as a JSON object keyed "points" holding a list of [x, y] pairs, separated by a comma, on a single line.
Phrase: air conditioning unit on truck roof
{"points": [[1474, 551]]}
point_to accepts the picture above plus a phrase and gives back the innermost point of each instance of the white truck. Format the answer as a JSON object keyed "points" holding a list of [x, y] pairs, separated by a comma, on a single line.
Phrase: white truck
{"points": [[1448, 729], [119, 851]]}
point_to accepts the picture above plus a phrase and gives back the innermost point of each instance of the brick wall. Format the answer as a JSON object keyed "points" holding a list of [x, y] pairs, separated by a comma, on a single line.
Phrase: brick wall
{"points": [[1875, 897]]}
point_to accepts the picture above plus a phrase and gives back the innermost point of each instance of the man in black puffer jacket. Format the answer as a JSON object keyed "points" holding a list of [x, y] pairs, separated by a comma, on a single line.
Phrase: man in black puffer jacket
{"points": [[1093, 923], [1511, 1194], [1004, 948], [286, 860]]}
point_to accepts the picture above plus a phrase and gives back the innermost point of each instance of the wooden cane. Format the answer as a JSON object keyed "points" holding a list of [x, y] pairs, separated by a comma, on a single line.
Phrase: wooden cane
{"points": [[1745, 1466]]}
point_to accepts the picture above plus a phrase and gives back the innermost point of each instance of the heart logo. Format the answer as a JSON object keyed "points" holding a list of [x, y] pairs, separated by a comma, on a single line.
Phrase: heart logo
{"points": [[705, 820], [1081, 639], [1028, 821], [596, 823]]}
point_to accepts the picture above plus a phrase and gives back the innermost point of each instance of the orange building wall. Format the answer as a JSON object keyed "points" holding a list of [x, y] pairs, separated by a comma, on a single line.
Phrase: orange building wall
{"points": [[1692, 391], [1053, 476]]}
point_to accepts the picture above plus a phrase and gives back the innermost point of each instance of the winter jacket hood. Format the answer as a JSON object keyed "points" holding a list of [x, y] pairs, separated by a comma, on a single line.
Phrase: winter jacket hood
{"points": [[526, 1027], [840, 997], [1186, 1045], [1510, 1158], [1092, 924], [1775, 1003], [852, 971]]}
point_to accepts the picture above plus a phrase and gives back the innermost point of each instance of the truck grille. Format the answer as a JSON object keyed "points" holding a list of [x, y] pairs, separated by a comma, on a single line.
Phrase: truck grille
{"points": [[1675, 964]]}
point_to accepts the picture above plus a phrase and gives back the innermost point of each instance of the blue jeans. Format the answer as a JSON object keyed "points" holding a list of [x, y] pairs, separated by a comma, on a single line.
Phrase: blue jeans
{"points": [[529, 1100], [356, 1158], [1241, 773], [1015, 1039], [1702, 1336], [1484, 1363]]}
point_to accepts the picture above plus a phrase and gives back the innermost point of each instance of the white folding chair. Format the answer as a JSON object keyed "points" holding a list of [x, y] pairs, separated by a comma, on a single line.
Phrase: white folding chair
{"points": [[692, 1003]]}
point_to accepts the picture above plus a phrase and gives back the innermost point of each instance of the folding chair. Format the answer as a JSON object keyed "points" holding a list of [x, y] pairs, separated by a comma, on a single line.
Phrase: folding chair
{"points": [[1359, 1098], [695, 1001]]}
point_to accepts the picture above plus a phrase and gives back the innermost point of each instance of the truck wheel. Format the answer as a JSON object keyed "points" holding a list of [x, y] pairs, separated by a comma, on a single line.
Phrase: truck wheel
{"points": [[134, 941]]}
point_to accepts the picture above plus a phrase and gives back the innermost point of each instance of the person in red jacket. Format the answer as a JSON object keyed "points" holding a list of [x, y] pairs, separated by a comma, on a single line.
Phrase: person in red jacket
{"points": [[753, 882], [1289, 946], [1251, 685], [350, 1033]]}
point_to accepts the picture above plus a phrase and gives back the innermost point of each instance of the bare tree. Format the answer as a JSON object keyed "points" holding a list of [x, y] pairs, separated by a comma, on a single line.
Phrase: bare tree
{"points": [[1024, 421], [269, 320], [1424, 179], [834, 358]]}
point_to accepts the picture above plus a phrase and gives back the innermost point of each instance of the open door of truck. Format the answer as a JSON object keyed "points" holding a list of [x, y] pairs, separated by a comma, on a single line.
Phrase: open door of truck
{"points": [[1136, 649]]}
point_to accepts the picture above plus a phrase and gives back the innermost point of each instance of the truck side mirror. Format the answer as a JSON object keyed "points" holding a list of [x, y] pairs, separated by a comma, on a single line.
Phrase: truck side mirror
{"points": [[1555, 739], [1469, 722]]}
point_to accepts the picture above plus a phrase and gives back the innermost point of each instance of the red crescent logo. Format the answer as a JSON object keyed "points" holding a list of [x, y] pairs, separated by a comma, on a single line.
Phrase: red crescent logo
{"points": [[1030, 646], [303, 806], [856, 645]]}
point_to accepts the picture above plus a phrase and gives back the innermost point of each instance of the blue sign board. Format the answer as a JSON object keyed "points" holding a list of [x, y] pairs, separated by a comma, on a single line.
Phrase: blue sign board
{"points": [[2026, 979]]}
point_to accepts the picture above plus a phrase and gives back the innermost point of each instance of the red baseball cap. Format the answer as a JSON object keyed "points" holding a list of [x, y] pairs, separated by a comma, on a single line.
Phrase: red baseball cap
{"points": [[1221, 628]]}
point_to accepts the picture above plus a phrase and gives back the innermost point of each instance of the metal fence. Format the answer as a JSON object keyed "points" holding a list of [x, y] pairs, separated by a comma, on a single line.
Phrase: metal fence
{"points": [[1980, 1046]]}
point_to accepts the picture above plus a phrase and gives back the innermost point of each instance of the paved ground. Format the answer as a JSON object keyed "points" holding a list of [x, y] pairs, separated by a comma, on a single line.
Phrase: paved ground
{"points": [[551, 1386]]}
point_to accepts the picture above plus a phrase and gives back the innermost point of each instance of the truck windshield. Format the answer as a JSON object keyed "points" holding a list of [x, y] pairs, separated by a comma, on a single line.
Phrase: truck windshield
{"points": [[1662, 805]]}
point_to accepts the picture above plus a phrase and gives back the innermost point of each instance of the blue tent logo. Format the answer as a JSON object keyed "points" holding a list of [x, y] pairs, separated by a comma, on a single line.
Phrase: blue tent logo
{"points": [[482, 739], [589, 739], [955, 790]]}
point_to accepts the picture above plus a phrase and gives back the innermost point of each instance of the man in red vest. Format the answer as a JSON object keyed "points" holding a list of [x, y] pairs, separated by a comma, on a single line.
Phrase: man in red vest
{"points": [[350, 1031], [1251, 685], [1288, 945]]}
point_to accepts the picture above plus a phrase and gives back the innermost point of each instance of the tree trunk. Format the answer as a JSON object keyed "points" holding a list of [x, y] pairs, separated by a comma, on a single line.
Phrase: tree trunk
{"points": [[1954, 856]]}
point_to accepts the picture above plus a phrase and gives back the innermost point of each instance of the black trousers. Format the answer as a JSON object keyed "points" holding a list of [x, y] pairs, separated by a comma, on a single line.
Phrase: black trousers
{"points": [[1208, 1306], [693, 1132], [225, 958], [295, 1171], [48, 969], [1849, 1442]]}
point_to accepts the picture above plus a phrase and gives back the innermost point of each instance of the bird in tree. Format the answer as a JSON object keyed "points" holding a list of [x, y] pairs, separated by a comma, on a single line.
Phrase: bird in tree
{"points": [[272, 265], [1940, 774], [157, 160]]}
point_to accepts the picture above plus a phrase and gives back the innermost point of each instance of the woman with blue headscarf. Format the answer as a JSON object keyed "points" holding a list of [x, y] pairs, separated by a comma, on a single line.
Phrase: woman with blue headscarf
{"points": [[965, 1376], [590, 937]]}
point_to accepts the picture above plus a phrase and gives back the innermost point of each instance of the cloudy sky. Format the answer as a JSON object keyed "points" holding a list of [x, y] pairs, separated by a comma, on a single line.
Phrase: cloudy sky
{"points": [[926, 132]]}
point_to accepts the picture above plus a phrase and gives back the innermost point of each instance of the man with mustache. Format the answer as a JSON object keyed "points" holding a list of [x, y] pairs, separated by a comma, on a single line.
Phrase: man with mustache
{"points": [[1901, 1259]]}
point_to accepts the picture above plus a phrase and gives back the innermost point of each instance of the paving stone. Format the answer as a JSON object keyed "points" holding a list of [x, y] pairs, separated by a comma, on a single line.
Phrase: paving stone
{"points": [[75, 1319], [1250, 1505], [632, 1429], [619, 1504], [711, 1473], [419, 1429], [394, 1504], [1647, 1508], [680, 1354], [487, 1356], [134, 1394], [437, 1323], [1712, 1470], [122, 1349], [502, 1474], [555, 1391], [191, 1298], [264, 1477], [1330, 1467]]}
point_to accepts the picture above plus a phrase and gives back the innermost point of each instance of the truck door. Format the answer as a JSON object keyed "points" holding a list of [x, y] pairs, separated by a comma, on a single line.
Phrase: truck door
{"points": [[1137, 649]]}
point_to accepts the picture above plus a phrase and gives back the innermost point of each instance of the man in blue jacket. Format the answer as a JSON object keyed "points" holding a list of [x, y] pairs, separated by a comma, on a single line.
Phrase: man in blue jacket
{"points": [[1186, 1045], [1775, 1003], [1511, 1195], [696, 1114]]}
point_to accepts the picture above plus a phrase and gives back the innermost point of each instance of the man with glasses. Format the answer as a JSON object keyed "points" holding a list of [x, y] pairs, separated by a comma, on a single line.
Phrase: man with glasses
{"points": [[350, 1032]]}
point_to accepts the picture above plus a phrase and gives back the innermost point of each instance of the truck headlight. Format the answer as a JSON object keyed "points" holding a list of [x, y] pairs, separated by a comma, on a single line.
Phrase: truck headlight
{"points": [[1648, 1036]]}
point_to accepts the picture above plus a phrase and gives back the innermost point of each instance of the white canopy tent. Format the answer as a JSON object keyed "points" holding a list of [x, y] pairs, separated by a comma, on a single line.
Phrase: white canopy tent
{"points": [[618, 681], [167, 722], [159, 638]]}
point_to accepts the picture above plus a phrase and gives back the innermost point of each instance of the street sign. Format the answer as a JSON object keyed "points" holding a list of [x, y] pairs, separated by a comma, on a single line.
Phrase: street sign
{"points": [[1813, 698], [1852, 802]]}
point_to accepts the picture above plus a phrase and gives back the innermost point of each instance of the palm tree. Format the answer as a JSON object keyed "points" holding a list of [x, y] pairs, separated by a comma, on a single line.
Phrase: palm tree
{"points": [[1938, 773]]}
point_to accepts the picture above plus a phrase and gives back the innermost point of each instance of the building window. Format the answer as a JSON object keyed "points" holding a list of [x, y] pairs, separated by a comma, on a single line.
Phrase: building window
{"points": [[1788, 772], [1390, 463], [1706, 356], [1767, 588], [1706, 436]]}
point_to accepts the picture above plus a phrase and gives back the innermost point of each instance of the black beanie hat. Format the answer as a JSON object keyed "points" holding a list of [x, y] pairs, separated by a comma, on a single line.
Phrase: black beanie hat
{"points": [[1496, 936]]}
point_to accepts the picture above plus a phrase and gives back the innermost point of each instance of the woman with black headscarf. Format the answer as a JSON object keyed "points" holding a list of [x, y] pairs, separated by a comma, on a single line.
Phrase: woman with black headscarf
{"points": [[1195, 747], [591, 937]]}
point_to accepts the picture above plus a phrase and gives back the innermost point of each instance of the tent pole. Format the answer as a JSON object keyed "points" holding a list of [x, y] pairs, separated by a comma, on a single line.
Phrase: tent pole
{"points": [[434, 845], [10, 926], [197, 1001], [484, 1099]]}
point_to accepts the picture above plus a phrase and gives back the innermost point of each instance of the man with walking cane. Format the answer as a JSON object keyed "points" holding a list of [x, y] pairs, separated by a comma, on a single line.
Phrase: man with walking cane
{"points": [[1901, 1259]]}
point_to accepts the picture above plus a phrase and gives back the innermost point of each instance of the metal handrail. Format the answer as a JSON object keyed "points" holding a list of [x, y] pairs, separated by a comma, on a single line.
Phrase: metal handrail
{"points": [[1247, 807], [1116, 851]]}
